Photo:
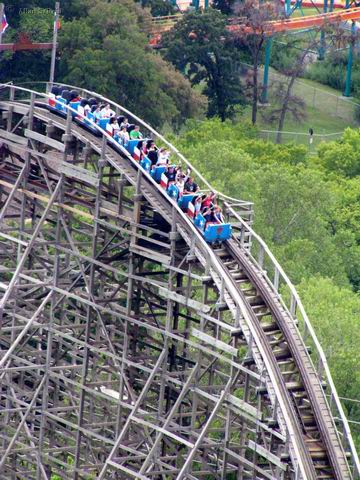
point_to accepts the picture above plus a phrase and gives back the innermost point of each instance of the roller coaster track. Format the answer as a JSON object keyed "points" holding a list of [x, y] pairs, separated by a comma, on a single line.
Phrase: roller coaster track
{"points": [[130, 348], [299, 23], [161, 25]]}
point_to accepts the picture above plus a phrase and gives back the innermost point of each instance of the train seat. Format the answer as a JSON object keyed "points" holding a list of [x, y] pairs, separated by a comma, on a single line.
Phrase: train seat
{"points": [[184, 201], [131, 145], [146, 164], [217, 232], [103, 122], [200, 222], [173, 191], [60, 104], [75, 106], [157, 172]]}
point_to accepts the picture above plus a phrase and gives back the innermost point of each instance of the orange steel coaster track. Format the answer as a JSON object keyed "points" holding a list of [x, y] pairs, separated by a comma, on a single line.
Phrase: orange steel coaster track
{"points": [[164, 24]]}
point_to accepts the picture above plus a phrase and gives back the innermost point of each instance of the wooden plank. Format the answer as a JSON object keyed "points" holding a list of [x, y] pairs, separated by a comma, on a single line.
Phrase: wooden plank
{"points": [[129, 473], [15, 107], [247, 462], [204, 337], [51, 158], [244, 406], [162, 430], [109, 206], [151, 254], [13, 138], [186, 273], [230, 328], [184, 300], [79, 173], [266, 454], [44, 139]]}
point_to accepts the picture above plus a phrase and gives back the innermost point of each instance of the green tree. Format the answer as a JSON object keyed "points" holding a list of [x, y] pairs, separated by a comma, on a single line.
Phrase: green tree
{"points": [[159, 8], [36, 19], [225, 6], [200, 46], [102, 53], [345, 225], [342, 156], [37, 23], [335, 314]]}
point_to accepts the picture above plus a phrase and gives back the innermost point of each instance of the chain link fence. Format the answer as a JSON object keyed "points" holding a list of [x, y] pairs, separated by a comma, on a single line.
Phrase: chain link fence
{"points": [[311, 141], [318, 98]]}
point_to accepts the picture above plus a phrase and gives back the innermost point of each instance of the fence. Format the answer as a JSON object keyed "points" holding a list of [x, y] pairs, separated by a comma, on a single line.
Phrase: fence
{"points": [[329, 103], [300, 138]]}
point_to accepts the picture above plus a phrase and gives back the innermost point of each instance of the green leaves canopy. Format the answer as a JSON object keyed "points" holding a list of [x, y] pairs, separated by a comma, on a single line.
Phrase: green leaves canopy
{"points": [[101, 52], [200, 46]]}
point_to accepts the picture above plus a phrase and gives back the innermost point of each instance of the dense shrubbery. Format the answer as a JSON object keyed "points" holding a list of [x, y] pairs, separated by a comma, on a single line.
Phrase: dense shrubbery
{"points": [[332, 71]]}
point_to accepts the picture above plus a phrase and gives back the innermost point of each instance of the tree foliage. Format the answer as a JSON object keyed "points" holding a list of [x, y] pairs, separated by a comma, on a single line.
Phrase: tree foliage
{"points": [[342, 156], [335, 313], [200, 46], [99, 51], [225, 6], [310, 218], [114, 59], [159, 8], [27, 66]]}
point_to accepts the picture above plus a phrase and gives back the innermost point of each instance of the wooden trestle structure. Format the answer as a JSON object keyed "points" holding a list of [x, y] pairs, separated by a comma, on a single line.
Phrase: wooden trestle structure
{"points": [[130, 348]]}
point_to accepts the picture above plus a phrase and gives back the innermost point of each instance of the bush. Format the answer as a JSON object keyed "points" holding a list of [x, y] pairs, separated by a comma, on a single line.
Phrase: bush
{"points": [[357, 110], [331, 71]]}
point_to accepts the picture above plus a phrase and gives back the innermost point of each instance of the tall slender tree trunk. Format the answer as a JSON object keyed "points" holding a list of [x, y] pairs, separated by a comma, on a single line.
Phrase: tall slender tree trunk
{"points": [[284, 110], [256, 52]]}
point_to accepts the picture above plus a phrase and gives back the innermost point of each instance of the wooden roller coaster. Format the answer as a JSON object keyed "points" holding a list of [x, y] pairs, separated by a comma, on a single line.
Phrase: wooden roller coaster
{"points": [[131, 348]]}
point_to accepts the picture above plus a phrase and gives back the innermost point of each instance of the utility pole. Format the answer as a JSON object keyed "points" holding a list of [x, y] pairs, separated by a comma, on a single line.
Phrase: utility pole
{"points": [[54, 44]]}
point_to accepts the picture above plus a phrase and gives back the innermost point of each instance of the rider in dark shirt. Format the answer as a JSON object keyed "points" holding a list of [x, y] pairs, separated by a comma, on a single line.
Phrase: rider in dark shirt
{"points": [[152, 155], [209, 216], [191, 186], [171, 173]]}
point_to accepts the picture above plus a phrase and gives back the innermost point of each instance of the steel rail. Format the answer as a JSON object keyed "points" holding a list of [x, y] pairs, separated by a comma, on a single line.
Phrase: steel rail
{"points": [[295, 301], [270, 363], [301, 359]]}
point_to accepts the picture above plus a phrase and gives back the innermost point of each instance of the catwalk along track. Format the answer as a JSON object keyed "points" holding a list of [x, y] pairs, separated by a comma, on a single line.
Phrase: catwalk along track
{"points": [[130, 347]]}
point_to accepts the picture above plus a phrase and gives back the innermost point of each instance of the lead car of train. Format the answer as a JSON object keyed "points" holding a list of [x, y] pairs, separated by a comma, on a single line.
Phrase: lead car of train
{"points": [[60, 98]]}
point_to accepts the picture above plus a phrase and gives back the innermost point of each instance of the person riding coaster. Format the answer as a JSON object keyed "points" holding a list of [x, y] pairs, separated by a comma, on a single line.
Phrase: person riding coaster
{"points": [[180, 186]]}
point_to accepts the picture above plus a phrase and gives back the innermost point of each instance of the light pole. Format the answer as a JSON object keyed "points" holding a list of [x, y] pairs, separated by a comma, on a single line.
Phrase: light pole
{"points": [[54, 45]]}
